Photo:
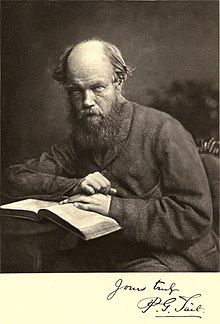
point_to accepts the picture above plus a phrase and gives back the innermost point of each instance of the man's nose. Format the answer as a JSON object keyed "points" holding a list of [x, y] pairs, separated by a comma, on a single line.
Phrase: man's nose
{"points": [[88, 98]]}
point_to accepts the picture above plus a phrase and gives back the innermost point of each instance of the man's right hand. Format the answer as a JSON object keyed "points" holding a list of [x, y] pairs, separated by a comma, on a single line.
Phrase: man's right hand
{"points": [[94, 183]]}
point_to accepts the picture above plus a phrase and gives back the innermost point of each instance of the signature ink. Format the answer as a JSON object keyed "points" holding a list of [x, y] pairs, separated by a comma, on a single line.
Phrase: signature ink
{"points": [[145, 305], [118, 285], [188, 306], [164, 305], [170, 289]]}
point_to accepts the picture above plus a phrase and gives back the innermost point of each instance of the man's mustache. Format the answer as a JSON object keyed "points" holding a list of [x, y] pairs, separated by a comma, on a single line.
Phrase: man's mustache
{"points": [[89, 112]]}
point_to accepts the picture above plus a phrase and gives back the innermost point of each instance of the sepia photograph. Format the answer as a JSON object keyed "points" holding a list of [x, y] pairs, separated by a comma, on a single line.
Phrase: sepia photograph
{"points": [[110, 147], [110, 144]]}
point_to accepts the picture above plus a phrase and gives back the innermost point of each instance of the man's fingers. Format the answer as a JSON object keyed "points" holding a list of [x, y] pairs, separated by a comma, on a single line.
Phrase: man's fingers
{"points": [[210, 142], [73, 199], [65, 201], [82, 206], [108, 191], [216, 150], [96, 181], [88, 207], [79, 198], [103, 179], [98, 202], [105, 184], [212, 146], [112, 192], [87, 188]]}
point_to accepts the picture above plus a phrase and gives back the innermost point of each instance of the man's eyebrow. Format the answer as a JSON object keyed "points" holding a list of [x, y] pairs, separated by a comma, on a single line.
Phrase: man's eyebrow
{"points": [[73, 85], [92, 85], [97, 84]]}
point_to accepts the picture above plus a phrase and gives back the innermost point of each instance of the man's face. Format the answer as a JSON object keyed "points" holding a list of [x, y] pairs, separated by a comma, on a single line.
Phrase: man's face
{"points": [[96, 114], [91, 89]]}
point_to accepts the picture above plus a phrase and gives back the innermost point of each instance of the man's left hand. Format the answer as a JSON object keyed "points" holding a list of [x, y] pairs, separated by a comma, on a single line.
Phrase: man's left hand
{"points": [[98, 202]]}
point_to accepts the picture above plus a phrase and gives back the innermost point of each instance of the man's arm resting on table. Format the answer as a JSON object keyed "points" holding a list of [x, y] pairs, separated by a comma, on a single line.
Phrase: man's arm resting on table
{"points": [[48, 178], [181, 214]]}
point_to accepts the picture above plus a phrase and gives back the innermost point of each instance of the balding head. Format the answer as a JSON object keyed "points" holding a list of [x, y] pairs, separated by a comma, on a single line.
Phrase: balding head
{"points": [[92, 51], [88, 58]]}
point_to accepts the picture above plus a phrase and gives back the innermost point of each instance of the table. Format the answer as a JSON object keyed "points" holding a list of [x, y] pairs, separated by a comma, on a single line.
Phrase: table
{"points": [[29, 246]]}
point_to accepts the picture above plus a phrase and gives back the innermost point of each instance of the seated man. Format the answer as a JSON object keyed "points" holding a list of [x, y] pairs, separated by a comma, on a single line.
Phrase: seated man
{"points": [[129, 162]]}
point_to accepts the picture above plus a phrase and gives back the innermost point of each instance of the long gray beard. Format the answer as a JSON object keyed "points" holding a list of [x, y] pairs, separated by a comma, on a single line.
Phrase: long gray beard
{"points": [[96, 137]]}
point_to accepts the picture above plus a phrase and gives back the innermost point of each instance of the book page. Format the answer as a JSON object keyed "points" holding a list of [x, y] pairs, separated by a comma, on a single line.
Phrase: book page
{"points": [[33, 205], [79, 218]]}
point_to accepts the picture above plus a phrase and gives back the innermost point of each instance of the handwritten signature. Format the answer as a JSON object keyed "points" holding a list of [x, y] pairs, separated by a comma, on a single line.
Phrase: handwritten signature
{"points": [[176, 305], [187, 304]]}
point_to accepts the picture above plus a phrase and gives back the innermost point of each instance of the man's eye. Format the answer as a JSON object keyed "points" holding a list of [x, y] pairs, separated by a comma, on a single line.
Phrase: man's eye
{"points": [[98, 89], [74, 91]]}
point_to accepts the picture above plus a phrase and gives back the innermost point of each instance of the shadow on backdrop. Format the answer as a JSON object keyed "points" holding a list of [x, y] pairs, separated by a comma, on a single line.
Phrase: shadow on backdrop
{"points": [[163, 41]]}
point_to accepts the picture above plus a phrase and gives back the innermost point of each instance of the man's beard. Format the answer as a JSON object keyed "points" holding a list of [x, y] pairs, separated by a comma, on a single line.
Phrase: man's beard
{"points": [[96, 136]]}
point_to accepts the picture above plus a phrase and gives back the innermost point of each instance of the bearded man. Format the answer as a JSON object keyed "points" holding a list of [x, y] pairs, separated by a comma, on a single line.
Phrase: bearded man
{"points": [[129, 162]]}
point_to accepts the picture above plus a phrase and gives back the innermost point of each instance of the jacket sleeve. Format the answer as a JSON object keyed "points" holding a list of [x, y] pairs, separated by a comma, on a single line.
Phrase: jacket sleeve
{"points": [[48, 178], [183, 212]]}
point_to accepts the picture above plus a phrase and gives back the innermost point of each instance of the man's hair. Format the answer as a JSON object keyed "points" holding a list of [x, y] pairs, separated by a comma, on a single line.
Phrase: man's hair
{"points": [[120, 68]]}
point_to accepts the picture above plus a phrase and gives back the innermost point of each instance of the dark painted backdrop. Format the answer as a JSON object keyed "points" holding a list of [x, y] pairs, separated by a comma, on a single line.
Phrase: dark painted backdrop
{"points": [[164, 41]]}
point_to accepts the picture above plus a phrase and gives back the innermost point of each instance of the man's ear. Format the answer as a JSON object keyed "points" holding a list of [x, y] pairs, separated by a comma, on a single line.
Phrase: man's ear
{"points": [[118, 85]]}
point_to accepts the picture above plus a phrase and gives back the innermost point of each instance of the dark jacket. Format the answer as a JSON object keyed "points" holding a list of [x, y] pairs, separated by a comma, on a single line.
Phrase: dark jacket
{"points": [[163, 199]]}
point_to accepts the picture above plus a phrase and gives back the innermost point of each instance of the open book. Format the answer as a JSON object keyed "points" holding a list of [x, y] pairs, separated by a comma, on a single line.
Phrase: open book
{"points": [[85, 224]]}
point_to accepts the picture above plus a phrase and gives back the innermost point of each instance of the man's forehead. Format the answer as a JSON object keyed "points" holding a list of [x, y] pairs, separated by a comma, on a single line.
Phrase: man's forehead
{"points": [[88, 57], [87, 49]]}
